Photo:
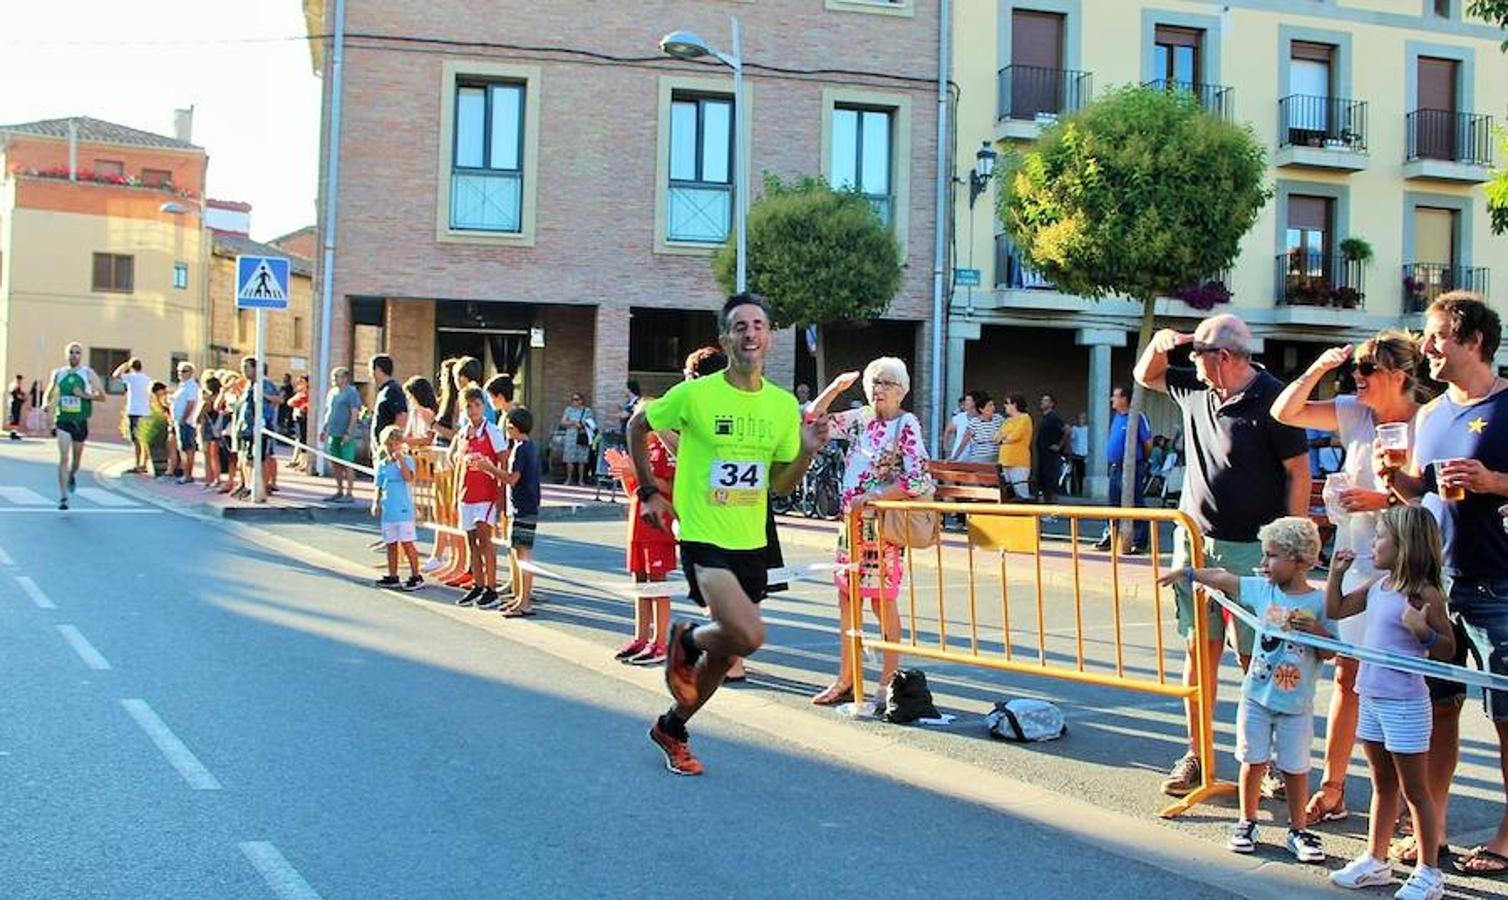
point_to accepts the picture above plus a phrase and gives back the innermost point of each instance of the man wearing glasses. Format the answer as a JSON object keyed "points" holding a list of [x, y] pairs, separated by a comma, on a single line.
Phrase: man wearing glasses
{"points": [[1244, 469]]}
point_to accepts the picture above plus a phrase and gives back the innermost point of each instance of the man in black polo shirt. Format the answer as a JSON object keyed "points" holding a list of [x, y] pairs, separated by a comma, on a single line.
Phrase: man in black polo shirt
{"points": [[1243, 470], [388, 405]]}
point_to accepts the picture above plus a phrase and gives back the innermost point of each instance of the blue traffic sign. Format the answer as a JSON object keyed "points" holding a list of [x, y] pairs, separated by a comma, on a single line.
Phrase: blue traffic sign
{"points": [[261, 282], [966, 277]]}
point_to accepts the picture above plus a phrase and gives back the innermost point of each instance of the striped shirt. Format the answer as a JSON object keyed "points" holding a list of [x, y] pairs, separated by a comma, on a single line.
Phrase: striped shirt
{"points": [[983, 444]]}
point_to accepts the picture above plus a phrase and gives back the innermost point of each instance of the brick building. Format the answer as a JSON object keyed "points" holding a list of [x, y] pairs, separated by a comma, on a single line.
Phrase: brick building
{"points": [[553, 211]]}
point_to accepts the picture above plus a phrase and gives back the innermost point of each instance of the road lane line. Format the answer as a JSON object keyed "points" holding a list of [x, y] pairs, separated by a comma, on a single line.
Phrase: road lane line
{"points": [[177, 754], [35, 593], [279, 874], [104, 497], [24, 496], [5, 559], [91, 657], [50, 510]]}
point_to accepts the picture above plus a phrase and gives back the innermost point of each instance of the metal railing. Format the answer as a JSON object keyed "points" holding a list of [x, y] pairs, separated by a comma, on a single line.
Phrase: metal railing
{"points": [[1328, 122], [486, 200], [1215, 98], [1011, 273], [981, 582], [1320, 279], [1423, 283], [1451, 136], [1030, 92], [699, 211]]}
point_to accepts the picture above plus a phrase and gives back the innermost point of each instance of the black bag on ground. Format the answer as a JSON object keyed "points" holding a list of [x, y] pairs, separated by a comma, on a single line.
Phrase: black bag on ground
{"points": [[909, 698]]}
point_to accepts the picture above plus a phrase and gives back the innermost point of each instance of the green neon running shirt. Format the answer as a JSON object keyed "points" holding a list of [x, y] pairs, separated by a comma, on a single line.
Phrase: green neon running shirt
{"points": [[729, 439], [71, 407]]}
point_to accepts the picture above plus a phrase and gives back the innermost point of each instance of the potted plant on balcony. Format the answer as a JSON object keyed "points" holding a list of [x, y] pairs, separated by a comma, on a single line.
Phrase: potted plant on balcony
{"points": [[1204, 295], [1356, 250], [1413, 291], [1345, 296]]}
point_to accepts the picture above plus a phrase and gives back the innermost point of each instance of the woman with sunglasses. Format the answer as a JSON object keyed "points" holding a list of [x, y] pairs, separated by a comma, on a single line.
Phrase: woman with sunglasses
{"points": [[1386, 370], [580, 428]]}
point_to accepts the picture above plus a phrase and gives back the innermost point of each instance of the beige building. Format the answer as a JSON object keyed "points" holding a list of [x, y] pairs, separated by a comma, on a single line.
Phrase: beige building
{"points": [[100, 243], [1377, 119], [553, 212]]}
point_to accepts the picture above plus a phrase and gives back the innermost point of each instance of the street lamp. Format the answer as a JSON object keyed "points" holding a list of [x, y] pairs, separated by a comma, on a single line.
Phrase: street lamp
{"points": [[979, 176], [684, 44], [979, 179]]}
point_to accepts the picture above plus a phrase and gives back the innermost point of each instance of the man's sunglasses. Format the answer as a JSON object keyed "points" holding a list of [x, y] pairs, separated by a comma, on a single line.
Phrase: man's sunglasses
{"points": [[1198, 349]]}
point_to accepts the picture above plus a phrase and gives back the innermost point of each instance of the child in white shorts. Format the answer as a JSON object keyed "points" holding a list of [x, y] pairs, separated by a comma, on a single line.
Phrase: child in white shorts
{"points": [[393, 504], [1276, 714]]}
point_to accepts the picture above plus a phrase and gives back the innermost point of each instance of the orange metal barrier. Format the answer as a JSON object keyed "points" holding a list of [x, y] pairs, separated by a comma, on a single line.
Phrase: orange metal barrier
{"points": [[996, 531]]}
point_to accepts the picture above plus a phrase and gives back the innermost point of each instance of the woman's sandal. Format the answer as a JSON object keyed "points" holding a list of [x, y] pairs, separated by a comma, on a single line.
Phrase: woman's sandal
{"points": [[834, 696], [1327, 805], [1406, 851], [1497, 862]]}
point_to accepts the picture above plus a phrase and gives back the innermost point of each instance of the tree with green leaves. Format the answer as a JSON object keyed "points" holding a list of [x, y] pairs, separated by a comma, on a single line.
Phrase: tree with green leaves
{"points": [[1496, 12], [816, 255], [1139, 194]]}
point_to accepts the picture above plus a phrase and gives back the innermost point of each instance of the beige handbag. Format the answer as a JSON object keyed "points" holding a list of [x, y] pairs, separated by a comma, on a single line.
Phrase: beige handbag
{"points": [[914, 529]]}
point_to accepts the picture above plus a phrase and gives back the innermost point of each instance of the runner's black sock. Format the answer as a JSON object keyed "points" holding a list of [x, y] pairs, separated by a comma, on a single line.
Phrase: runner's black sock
{"points": [[688, 643], [674, 725]]}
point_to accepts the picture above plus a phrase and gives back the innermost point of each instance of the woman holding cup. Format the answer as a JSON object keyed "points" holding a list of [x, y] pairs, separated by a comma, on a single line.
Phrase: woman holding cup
{"points": [[1388, 394]]}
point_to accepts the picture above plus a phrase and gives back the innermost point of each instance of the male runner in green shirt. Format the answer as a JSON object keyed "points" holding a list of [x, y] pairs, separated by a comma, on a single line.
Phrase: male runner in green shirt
{"points": [[740, 437], [74, 387]]}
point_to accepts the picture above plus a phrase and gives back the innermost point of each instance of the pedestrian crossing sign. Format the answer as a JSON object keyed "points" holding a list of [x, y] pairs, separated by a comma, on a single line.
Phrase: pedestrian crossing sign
{"points": [[261, 282]]}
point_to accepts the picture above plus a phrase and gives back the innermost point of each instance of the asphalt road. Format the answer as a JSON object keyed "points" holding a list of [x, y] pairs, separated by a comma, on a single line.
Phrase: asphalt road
{"points": [[189, 714]]}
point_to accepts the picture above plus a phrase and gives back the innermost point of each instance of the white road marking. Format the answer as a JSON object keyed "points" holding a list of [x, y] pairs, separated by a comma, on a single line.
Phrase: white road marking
{"points": [[91, 657], [24, 496], [85, 510], [5, 559], [104, 497], [35, 593], [177, 754], [279, 874]]}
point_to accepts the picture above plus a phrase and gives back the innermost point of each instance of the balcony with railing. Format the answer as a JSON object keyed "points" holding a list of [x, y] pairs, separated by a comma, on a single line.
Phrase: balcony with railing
{"points": [[1012, 273], [486, 200], [1215, 98], [699, 212], [1322, 133], [1032, 96], [1443, 145], [1423, 283], [1325, 280], [1028, 287]]}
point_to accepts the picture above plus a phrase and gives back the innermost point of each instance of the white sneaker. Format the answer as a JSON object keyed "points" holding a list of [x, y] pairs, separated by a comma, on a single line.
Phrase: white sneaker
{"points": [[1243, 837], [1305, 846], [1424, 884], [1363, 871], [432, 565]]}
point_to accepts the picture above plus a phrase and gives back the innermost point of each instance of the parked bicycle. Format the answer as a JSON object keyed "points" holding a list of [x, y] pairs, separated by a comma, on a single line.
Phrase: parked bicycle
{"points": [[817, 494]]}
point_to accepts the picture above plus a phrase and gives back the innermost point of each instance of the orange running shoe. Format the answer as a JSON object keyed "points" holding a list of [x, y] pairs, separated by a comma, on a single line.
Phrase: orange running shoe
{"points": [[678, 756], [680, 675]]}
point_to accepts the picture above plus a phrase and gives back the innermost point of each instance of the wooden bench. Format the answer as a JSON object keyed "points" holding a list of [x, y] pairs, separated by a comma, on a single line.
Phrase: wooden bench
{"points": [[961, 481]]}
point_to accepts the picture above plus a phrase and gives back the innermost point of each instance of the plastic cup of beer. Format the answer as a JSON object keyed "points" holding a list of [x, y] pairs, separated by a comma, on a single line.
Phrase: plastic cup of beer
{"points": [[1394, 440], [1451, 493]]}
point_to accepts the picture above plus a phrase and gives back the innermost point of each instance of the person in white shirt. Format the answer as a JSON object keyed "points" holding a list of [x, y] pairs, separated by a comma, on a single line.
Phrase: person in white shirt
{"points": [[138, 406], [185, 414], [1078, 444], [957, 431]]}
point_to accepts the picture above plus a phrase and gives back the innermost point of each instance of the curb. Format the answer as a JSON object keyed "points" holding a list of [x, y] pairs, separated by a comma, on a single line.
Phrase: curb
{"points": [[113, 475]]}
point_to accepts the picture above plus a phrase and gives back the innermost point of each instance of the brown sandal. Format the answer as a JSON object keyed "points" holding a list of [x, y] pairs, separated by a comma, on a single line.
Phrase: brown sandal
{"points": [[1328, 804], [834, 696], [1406, 851]]}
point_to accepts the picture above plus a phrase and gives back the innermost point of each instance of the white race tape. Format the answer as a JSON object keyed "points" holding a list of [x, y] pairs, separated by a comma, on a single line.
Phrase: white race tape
{"points": [[676, 585], [1412, 664], [283, 438]]}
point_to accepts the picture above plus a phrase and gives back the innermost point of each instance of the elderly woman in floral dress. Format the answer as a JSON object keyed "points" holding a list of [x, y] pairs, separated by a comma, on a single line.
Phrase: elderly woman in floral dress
{"points": [[886, 460]]}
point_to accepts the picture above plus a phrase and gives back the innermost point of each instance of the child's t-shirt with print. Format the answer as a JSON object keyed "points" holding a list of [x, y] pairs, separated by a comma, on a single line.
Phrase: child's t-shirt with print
{"points": [[397, 502], [1283, 673]]}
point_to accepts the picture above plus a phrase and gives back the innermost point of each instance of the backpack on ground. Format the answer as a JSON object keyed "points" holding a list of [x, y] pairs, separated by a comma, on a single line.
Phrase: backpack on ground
{"points": [[1026, 721], [909, 698]]}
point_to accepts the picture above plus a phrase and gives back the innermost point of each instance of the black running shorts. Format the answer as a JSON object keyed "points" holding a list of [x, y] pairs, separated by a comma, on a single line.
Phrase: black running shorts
{"points": [[748, 566], [79, 431]]}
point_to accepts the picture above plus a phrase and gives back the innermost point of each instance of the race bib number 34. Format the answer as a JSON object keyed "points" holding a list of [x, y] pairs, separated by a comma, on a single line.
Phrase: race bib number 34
{"points": [[737, 482]]}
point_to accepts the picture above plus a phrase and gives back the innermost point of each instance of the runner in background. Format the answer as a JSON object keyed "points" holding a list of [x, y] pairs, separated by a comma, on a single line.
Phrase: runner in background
{"points": [[741, 437], [74, 388]]}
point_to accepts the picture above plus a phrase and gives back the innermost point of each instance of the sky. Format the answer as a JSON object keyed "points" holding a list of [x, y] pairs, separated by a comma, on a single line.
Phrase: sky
{"points": [[256, 99]]}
